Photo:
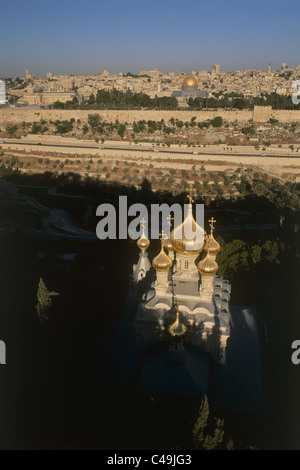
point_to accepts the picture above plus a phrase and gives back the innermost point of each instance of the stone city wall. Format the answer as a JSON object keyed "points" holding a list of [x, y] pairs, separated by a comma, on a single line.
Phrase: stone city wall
{"points": [[260, 114], [20, 115], [45, 98], [264, 113]]}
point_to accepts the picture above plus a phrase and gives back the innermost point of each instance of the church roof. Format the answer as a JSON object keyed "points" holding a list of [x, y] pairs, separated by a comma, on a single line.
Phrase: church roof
{"points": [[143, 265]]}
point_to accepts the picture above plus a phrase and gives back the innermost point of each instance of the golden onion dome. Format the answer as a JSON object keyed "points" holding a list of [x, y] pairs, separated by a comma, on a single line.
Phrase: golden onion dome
{"points": [[162, 262], [184, 245], [168, 245], [207, 266], [177, 330], [143, 242], [212, 246], [190, 80]]}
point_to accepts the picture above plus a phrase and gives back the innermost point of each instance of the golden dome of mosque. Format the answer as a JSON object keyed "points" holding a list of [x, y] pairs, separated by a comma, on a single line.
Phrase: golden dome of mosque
{"points": [[190, 80], [207, 266], [177, 330], [168, 245], [184, 245], [162, 262], [143, 242]]}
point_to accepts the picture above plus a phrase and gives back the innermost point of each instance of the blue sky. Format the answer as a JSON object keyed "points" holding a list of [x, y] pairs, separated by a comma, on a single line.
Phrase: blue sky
{"points": [[82, 37]]}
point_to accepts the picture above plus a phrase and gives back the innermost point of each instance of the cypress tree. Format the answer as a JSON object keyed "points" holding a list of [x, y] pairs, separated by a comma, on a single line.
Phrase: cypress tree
{"points": [[44, 301]]}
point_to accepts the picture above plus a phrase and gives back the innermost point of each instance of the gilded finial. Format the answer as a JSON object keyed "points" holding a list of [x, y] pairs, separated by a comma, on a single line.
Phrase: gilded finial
{"points": [[167, 244], [176, 305], [212, 247], [162, 262], [170, 219], [143, 223], [177, 330], [162, 236], [143, 242], [212, 221], [190, 195]]}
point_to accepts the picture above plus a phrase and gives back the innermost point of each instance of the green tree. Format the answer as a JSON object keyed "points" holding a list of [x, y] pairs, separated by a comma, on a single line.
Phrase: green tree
{"points": [[10, 167], [256, 253], [11, 128], [259, 188], [91, 99], [85, 128], [271, 251], [233, 257], [217, 121], [201, 437], [249, 131], [36, 128], [62, 127], [214, 440], [94, 120], [201, 423], [44, 301], [121, 130]]}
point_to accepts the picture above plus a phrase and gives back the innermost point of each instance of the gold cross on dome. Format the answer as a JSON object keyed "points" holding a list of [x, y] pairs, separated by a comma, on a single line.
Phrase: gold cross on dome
{"points": [[190, 195], [212, 221], [170, 218], [142, 224], [176, 305], [162, 235]]}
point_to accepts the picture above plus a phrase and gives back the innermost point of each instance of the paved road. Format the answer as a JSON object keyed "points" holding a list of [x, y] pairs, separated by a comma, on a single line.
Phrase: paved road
{"points": [[151, 150]]}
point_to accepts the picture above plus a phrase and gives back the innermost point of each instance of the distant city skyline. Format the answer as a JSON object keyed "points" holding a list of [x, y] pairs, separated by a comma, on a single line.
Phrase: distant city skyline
{"points": [[83, 38], [186, 71]]}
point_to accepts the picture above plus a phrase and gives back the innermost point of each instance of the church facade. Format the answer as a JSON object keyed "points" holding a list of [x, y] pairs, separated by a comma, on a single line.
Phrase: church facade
{"points": [[186, 288], [179, 335]]}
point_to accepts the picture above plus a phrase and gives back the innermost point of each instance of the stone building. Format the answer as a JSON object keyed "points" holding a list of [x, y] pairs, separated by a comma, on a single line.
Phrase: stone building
{"points": [[45, 98], [29, 75], [178, 334], [188, 340], [215, 70], [202, 295], [151, 73]]}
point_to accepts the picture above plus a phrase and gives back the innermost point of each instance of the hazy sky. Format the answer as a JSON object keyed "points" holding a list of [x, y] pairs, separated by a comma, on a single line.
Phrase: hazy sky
{"points": [[88, 36]]}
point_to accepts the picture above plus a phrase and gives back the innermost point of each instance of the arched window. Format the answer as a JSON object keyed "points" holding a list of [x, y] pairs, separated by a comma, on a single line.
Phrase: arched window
{"points": [[186, 264]]}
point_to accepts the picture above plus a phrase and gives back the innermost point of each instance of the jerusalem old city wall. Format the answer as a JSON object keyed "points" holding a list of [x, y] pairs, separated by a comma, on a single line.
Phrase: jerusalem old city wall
{"points": [[264, 113], [20, 115], [259, 114]]}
